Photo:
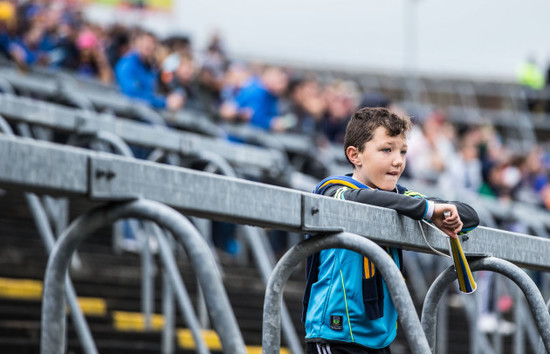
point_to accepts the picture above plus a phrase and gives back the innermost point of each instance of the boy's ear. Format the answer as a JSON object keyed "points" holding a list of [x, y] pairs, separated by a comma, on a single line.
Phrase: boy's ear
{"points": [[353, 155]]}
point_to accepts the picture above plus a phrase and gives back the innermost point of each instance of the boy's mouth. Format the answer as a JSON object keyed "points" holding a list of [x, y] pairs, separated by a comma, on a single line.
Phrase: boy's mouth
{"points": [[393, 173]]}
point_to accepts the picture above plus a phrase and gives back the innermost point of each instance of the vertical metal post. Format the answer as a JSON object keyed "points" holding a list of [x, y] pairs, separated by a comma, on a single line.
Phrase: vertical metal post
{"points": [[178, 286], [44, 229], [147, 279], [264, 260], [442, 325], [205, 229], [167, 346], [519, 334]]}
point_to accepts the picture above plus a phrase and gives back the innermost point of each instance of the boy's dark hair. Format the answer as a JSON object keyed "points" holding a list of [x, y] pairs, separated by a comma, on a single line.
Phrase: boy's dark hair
{"points": [[364, 122]]}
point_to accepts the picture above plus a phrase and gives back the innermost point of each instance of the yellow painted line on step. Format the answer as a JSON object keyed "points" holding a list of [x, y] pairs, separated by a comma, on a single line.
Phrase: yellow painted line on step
{"points": [[212, 341], [135, 321], [186, 341], [93, 306], [253, 349], [26, 289], [29, 289]]}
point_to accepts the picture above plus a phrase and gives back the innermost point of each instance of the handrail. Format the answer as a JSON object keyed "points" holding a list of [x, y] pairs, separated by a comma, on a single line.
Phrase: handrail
{"points": [[61, 170], [524, 282], [53, 305], [74, 120], [392, 276]]}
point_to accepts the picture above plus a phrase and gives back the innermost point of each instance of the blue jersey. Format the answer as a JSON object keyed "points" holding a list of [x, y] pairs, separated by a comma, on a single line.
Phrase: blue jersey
{"points": [[346, 298], [349, 300]]}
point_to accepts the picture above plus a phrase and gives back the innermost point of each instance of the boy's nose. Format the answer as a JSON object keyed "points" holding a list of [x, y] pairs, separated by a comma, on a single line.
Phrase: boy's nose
{"points": [[398, 161]]}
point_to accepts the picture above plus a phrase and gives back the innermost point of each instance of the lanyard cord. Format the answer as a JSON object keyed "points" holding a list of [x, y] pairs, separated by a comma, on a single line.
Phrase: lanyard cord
{"points": [[426, 240]]}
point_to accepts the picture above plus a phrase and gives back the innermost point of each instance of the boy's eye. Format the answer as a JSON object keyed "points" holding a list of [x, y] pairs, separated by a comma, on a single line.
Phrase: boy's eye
{"points": [[403, 152], [386, 150]]}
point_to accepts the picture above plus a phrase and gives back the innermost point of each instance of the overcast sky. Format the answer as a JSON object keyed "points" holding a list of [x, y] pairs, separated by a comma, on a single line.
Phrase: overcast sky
{"points": [[474, 38]]}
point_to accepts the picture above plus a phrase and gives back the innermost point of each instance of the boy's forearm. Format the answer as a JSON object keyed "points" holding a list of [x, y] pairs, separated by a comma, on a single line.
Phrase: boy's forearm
{"points": [[414, 208]]}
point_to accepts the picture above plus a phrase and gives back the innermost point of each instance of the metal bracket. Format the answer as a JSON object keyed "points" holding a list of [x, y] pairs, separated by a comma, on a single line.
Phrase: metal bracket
{"points": [[103, 181], [312, 217]]}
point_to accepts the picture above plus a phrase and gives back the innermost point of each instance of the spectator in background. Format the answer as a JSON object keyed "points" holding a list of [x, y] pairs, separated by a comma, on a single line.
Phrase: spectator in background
{"points": [[531, 77], [118, 43], [8, 26], [137, 75], [306, 105], [463, 170], [25, 50], [342, 98], [235, 78], [179, 75], [430, 147], [257, 102], [92, 59]]}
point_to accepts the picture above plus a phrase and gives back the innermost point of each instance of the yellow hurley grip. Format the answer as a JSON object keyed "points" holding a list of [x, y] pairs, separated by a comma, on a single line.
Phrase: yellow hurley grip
{"points": [[466, 282]]}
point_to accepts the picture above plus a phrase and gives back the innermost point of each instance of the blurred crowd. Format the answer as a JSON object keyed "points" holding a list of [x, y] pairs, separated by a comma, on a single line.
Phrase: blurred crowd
{"points": [[169, 73]]}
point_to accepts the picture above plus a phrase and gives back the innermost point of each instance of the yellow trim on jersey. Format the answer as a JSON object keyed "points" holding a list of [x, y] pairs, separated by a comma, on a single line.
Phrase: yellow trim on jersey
{"points": [[346, 301], [339, 181]]}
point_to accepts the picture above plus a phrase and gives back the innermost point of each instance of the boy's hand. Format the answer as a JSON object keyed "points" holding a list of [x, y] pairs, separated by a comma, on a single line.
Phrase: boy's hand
{"points": [[449, 222]]}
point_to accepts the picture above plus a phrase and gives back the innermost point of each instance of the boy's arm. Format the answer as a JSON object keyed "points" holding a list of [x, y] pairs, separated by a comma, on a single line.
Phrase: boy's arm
{"points": [[415, 208], [411, 204]]}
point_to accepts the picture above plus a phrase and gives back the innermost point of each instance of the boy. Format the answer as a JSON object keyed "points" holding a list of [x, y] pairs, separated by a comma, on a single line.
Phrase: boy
{"points": [[347, 307]]}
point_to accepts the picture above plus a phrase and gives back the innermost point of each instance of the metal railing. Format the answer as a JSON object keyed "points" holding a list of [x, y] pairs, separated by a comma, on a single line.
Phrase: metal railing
{"points": [[61, 170]]}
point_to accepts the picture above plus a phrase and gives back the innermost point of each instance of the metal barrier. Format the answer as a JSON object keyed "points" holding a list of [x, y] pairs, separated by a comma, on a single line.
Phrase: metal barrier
{"points": [[530, 290], [45, 230], [53, 307], [63, 170], [86, 122]]}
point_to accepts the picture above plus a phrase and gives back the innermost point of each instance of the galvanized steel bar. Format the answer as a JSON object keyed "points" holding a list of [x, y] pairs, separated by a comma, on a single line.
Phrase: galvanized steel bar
{"points": [[532, 294], [262, 257], [5, 127], [38, 166], [75, 120], [147, 279], [53, 305], [44, 229], [184, 301], [168, 330], [392, 276], [43, 167], [389, 228]]}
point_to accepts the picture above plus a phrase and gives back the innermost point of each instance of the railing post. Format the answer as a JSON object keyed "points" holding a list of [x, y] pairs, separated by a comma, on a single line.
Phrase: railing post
{"points": [[53, 305], [523, 281], [45, 231], [271, 340]]}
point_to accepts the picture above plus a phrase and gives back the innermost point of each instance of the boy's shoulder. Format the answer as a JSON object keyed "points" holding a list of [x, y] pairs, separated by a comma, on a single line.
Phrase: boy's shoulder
{"points": [[331, 181]]}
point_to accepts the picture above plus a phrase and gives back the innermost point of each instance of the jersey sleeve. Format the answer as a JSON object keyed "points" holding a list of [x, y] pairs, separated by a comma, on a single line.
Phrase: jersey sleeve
{"points": [[415, 208], [468, 215], [412, 204]]}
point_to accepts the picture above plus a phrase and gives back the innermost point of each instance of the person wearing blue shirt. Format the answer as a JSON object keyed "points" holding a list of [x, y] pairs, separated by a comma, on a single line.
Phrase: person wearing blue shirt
{"points": [[257, 101], [347, 306], [137, 75]]}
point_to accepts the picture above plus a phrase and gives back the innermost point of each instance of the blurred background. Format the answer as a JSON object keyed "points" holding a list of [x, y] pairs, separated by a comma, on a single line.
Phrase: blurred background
{"points": [[279, 80]]}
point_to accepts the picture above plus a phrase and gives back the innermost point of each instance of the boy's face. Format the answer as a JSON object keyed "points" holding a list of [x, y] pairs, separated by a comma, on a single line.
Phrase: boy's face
{"points": [[382, 160]]}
